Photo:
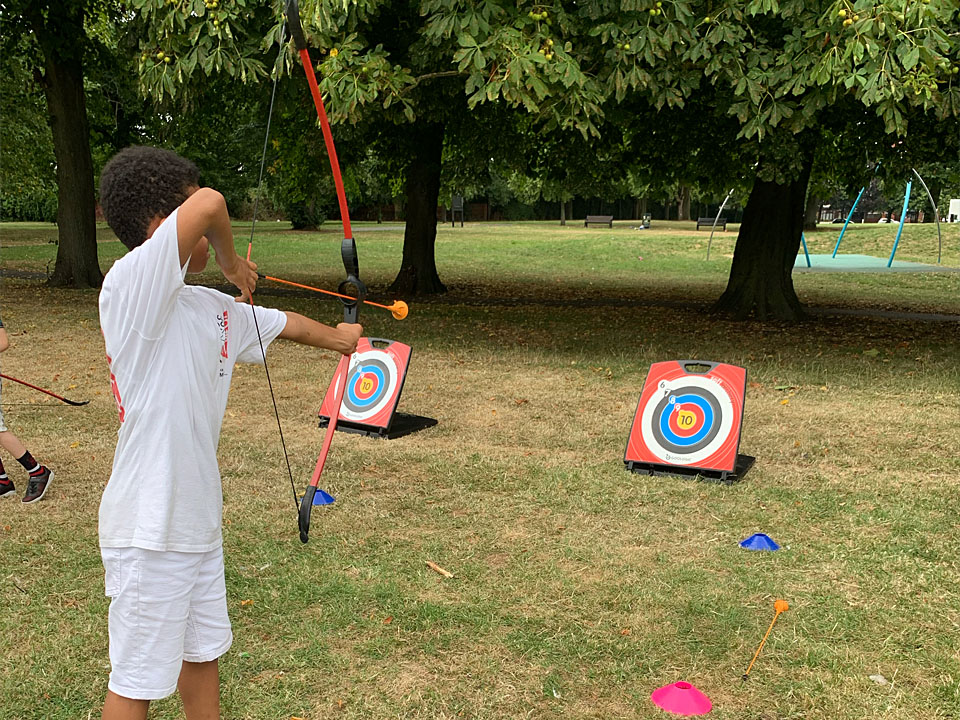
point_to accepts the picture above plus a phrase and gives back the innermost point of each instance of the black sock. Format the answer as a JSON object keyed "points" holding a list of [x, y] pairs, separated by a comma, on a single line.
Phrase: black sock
{"points": [[29, 464]]}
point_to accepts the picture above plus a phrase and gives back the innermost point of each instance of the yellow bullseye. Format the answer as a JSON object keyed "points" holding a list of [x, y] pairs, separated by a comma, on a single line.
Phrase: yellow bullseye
{"points": [[686, 419]]}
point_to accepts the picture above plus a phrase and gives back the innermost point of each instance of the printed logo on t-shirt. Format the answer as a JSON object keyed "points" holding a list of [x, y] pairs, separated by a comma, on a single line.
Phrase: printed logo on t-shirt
{"points": [[223, 320], [114, 388]]}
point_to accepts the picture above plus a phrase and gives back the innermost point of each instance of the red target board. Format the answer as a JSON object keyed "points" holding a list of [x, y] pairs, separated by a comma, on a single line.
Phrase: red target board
{"points": [[374, 382], [688, 421]]}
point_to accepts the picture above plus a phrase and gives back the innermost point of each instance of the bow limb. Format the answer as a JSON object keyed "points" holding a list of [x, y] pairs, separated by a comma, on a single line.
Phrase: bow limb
{"points": [[348, 253], [306, 503], [292, 12], [348, 247], [75, 403]]}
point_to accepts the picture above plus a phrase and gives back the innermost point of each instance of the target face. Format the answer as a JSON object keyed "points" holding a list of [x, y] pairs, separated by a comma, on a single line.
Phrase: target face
{"points": [[371, 383], [689, 419], [374, 382]]}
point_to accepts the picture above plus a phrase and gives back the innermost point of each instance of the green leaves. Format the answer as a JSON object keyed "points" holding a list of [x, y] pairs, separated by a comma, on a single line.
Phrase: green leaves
{"points": [[768, 58]]}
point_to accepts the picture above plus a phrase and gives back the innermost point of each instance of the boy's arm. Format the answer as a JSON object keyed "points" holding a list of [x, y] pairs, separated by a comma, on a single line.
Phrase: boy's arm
{"points": [[4, 340], [204, 214], [305, 331]]}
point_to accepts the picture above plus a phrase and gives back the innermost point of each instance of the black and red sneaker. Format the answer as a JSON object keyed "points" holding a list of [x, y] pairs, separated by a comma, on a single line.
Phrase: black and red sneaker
{"points": [[39, 482], [6, 487]]}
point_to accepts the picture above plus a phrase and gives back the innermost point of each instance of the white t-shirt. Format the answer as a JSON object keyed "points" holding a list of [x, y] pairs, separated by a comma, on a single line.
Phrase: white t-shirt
{"points": [[171, 349]]}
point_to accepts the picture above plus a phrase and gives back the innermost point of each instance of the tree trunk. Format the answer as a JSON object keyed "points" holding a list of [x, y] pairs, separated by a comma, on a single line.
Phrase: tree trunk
{"points": [[418, 270], [61, 36], [563, 212], [683, 206], [761, 276], [811, 213]]}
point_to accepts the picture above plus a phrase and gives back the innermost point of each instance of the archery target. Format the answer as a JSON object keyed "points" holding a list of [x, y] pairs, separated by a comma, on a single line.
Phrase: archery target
{"points": [[374, 382], [371, 384], [687, 421]]}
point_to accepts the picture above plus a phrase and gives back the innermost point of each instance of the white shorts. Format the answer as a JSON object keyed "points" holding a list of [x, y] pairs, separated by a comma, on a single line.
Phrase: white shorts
{"points": [[166, 608]]}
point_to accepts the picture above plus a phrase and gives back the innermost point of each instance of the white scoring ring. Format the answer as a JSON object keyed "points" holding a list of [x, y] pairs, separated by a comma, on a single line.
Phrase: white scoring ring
{"points": [[665, 387], [387, 393]]}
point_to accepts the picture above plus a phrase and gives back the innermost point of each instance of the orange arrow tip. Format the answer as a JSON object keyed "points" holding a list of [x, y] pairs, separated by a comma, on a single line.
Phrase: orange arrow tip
{"points": [[399, 309], [781, 606]]}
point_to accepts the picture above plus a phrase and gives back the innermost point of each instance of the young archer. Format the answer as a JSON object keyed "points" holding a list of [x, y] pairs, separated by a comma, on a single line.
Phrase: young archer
{"points": [[172, 348]]}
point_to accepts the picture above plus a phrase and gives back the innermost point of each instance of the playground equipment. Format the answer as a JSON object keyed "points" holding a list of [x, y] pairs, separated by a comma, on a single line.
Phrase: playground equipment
{"points": [[903, 217], [712, 229]]}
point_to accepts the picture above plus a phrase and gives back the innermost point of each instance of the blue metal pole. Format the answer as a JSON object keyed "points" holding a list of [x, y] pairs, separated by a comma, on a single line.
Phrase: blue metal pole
{"points": [[849, 215], [903, 218], [805, 253]]}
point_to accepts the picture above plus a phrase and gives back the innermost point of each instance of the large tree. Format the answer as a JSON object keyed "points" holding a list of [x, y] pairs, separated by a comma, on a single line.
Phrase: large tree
{"points": [[782, 68], [57, 32], [779, 67]]}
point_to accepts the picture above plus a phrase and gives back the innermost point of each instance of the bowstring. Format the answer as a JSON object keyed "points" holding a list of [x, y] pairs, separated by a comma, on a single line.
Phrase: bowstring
{"points": [[253, 225]]}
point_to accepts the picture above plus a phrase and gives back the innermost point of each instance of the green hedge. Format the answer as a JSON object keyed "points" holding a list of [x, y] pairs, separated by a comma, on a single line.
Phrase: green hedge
{"points": [[30, 205]]}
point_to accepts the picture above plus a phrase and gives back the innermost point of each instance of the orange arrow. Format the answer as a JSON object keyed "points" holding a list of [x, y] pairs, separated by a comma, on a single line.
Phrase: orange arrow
{"points": [[779, 606], [398, 309]]}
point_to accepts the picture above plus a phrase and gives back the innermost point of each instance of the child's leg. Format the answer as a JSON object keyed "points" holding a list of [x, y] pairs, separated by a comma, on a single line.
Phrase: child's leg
{"points": [[116, 707], [11, 443], [40, 475], [6, 485], [199, 687]]}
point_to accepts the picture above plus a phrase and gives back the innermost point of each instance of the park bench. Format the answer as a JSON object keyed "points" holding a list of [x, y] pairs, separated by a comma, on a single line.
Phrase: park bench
{"points": [[708, 222], [456, 206], [598, 219]]}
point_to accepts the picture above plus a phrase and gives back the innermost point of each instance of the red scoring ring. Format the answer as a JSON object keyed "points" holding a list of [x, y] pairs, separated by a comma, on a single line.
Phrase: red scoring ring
{"points": [[675, 416], [358, 388]]}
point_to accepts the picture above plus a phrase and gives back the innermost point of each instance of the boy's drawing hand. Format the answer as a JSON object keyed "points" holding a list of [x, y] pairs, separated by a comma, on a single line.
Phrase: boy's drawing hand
{"points": [[243, 274], [350, 332]]}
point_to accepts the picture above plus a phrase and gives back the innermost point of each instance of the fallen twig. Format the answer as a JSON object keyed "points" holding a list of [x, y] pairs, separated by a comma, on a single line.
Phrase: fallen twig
{"points": [[437, 569]]}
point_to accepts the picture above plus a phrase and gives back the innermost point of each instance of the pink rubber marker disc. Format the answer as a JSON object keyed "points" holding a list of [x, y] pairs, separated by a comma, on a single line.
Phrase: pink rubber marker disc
{"points": [[681, 698]]}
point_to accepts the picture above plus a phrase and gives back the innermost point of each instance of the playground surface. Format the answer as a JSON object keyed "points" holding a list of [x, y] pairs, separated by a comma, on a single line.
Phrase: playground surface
{"points": [[856, 263]]}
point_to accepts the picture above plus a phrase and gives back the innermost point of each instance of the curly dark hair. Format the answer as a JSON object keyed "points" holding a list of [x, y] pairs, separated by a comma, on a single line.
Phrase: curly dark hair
{"points": [[140, 183]]}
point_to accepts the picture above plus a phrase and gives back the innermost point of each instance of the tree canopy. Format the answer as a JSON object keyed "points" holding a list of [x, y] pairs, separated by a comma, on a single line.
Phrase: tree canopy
{"points": [[640, 95]]}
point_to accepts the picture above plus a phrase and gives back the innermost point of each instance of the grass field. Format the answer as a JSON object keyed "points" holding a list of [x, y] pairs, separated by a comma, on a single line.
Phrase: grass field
{"points": [[578, 588]]}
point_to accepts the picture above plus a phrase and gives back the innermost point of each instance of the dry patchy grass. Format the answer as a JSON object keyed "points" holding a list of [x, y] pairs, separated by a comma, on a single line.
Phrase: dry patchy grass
{"points": [[578, 587]]}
